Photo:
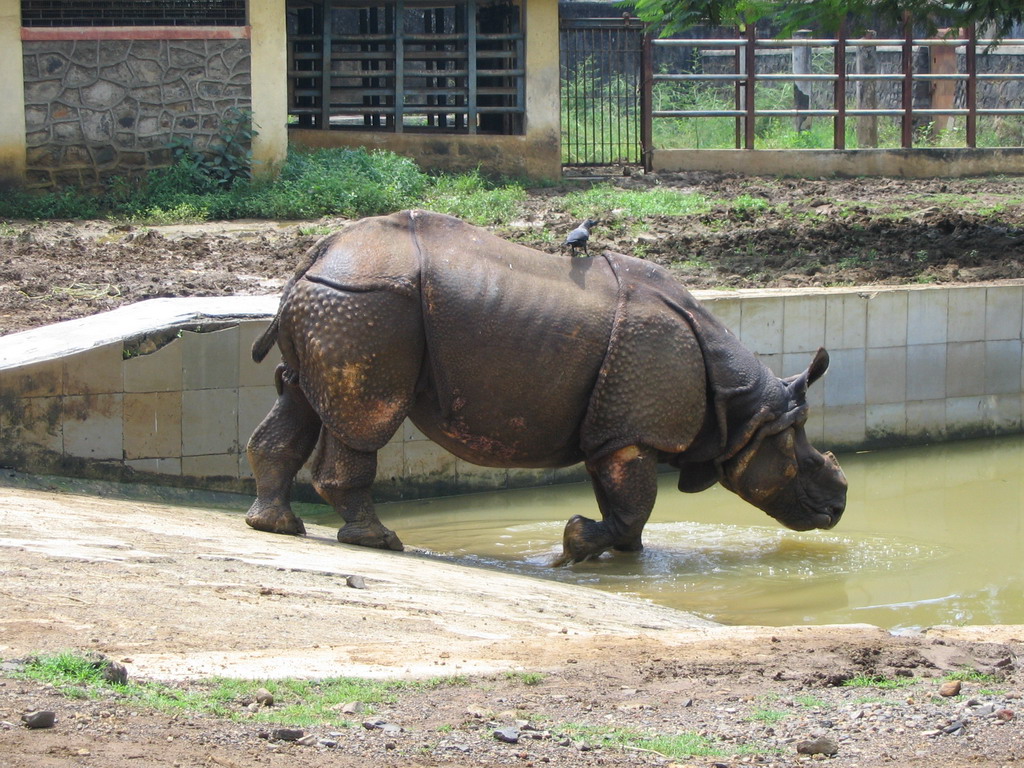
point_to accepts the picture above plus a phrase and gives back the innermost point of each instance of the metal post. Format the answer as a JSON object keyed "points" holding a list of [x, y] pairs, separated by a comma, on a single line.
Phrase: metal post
{"points": [[738, 87], [908, 83], [750, 62], [867, 93], [325, 68], [471, 64], [801, 57], [971, 54], [646, 103], [943, 92], [399, 66], [839, 125]]}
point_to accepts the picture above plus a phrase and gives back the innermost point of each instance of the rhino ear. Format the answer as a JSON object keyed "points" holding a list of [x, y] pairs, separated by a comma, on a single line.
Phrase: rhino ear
{"points": [[815, 371], [697, 476], [818, 366]]}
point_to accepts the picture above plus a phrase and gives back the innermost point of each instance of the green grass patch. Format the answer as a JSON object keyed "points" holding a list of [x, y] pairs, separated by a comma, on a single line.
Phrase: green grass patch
{"points": [[472, 197], [296, 702], [879, 681], [764, 715], [669, 745], [970, 675], [526, 678], [810, 701], [748, 205], [607, 202]]}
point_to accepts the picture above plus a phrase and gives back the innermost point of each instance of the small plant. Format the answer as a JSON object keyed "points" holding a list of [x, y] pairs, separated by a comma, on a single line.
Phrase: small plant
{"points": [[228, 158], [526, 678], [810, 701], [970, 675], [745, 205], [768, 715], [878, 681]]}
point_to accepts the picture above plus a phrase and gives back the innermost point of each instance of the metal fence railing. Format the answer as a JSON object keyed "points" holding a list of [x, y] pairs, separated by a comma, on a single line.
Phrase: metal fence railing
{"points": [[952, 87]]}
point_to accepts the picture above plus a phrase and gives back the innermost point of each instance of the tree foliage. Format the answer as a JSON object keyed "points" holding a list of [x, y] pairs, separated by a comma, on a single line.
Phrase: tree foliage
{"points": [[674, 16]]}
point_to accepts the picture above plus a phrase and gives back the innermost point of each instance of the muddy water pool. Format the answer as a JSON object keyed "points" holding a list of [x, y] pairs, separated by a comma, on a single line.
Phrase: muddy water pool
{"points": [[931, 535]]}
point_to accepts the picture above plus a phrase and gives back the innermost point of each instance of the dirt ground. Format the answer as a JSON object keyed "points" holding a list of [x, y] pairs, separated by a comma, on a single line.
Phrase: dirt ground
{"points": [[180, 594], [763, 233]]}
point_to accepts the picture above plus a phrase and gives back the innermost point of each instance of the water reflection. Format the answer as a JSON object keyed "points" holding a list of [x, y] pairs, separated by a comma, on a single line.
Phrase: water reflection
{"points": [[931, 535]]}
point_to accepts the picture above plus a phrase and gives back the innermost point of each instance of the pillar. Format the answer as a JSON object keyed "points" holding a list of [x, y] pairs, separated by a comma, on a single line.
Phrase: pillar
{"points": [[269, 42], [12, 95]]}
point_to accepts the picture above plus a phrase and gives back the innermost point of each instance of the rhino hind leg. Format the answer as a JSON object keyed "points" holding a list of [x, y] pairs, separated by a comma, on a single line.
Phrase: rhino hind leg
{"points": [[625, 484], [277, 450], [344, 476]]}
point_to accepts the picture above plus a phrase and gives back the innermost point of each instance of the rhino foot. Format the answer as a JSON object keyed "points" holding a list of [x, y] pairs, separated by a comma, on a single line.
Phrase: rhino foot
{"points": [[274, 519], [377, 537]]}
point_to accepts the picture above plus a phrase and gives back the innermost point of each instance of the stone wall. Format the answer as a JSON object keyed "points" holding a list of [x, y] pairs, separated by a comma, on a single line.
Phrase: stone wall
{"points": [[95, 109]]}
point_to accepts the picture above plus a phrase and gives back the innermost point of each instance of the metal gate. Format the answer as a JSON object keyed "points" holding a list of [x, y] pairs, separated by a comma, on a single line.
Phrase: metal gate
{"points": [[601, 73]]}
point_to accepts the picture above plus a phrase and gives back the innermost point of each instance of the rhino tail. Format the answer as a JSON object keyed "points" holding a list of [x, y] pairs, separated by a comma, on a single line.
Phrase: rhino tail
{"points": [[268, 338]]}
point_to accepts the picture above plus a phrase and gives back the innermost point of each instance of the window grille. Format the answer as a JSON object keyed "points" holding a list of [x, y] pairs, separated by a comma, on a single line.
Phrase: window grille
{"points": [[445, 66], [133, 13]]}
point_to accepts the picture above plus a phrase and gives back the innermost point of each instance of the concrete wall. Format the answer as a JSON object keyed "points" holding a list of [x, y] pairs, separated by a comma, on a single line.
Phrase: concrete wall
{"points": [[165, 391]]}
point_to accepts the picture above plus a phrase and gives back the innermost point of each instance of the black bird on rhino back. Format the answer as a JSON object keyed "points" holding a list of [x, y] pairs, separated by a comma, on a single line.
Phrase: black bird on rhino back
{"points": [[510, 357], [579, 237]]}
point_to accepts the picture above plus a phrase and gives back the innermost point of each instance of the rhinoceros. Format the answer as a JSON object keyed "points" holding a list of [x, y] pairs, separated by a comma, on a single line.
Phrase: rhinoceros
{"points": [[510, 357]]}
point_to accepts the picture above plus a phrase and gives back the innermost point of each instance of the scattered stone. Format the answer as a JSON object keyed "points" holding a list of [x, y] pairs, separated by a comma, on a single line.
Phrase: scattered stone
{"points": [[329, 743], [821, 745], [507, 735], [351, 708], [40, 718], [264, 697], [390, 745], [1005, 715], [480, 713], [307, 741], [950, 688], [356, 582], [954, 728], [287, 734]]}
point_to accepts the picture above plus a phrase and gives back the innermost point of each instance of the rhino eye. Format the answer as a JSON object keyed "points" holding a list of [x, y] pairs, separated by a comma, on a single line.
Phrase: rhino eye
{"points": [[811, 463]]}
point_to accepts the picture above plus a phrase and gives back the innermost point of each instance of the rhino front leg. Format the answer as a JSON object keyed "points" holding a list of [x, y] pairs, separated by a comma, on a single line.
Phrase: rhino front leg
{"points": [[344, 476], [277, 450], [625, 484]]}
